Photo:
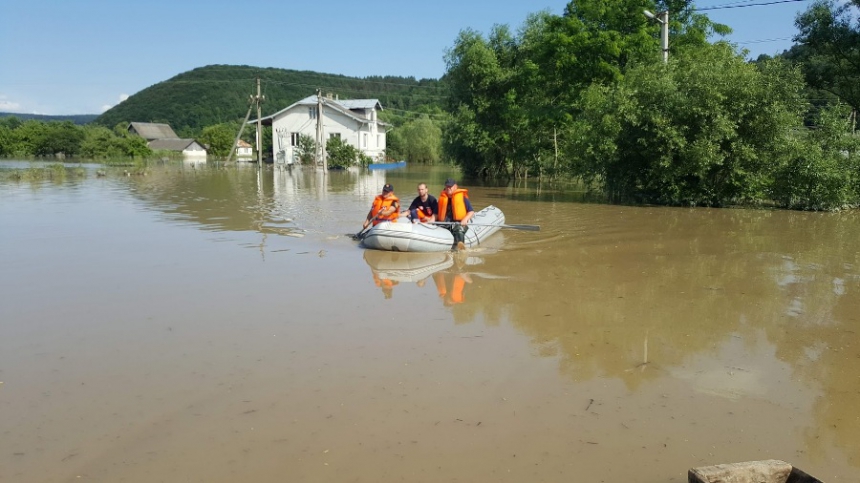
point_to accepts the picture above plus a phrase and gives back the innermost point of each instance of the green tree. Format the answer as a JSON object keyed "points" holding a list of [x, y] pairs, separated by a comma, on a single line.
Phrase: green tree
{"points": [[421, 140], [707, 129], [340, 153], [822, 167], [829, 49], [219, 138], [5, 140], [306, 149], [514, 97]]}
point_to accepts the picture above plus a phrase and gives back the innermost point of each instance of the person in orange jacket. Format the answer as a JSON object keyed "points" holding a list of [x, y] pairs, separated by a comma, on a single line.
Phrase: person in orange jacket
{"points": [[386, 207], [454, 206]]}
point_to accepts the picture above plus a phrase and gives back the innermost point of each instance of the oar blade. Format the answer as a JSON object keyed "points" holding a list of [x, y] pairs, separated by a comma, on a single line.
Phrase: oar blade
{"points": [[523, 227]]}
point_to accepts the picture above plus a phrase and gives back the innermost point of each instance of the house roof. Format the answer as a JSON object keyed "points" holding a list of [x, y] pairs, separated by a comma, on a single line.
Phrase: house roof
{"points": [[151, 130], [361, 104], [344, 106], [171, 144], [242, 144]]}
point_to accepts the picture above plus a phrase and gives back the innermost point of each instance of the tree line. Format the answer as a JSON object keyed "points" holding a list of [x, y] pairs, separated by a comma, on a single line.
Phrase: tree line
{"points": [[585, 94]]}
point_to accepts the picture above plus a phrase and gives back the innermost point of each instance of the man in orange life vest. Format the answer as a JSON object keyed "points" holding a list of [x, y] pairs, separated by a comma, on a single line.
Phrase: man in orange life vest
{"points": [[454, 206], [386, 207], [423, 208]]}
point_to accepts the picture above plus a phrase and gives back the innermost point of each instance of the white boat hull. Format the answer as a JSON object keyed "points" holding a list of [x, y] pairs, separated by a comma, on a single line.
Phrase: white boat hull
{"points": [[405, 236]]}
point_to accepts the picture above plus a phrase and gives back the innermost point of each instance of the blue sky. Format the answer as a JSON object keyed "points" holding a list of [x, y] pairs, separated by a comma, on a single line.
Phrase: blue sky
{"points": [[84, 56]]}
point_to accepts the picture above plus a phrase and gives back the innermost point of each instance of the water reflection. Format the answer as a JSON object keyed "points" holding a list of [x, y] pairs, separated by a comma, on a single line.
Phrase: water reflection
{"points": [[674, 336]]}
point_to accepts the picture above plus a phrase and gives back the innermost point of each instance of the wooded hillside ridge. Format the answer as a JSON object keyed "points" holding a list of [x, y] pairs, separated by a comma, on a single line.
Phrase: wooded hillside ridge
{"points": [[218, 94], [79, 119]]}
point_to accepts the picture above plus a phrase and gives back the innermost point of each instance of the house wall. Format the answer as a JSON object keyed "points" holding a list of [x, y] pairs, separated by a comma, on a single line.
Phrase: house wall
{"points": [[194, 149], [298, 120]]}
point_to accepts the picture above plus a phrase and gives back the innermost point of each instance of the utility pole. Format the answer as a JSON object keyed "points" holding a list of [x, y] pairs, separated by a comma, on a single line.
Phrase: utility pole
{"points": [[321, 133], [663, 19], [259, 100]]}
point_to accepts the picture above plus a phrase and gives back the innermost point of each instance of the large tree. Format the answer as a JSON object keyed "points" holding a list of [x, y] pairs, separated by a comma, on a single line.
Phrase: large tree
{"points": [[513, 96], [828, 46]]}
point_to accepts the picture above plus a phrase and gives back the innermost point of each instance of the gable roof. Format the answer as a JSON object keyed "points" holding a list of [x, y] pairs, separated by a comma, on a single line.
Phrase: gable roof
{"points": [[151, 130], [171, 144], [343, 106], [243, 144]]}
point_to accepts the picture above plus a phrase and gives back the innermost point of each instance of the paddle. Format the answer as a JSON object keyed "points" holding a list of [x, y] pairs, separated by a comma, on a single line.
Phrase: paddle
{"points": [[360, 235], [515, 227]]}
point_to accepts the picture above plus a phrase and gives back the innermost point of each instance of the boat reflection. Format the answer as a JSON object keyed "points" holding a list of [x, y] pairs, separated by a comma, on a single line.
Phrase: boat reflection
{"points": [[449, 271]]}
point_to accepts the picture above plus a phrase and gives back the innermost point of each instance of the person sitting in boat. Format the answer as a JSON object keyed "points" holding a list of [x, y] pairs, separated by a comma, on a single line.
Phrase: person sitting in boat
{"points": [[423, 208], [386, 207], [454, 206]]}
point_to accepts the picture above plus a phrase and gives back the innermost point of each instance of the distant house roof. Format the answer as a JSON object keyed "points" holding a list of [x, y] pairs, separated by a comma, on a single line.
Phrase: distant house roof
{"points": [[242, 144], [151, 130], [172, 144], [361, 103]]}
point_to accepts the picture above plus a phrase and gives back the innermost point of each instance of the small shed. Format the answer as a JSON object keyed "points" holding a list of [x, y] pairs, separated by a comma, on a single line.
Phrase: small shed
{"points": [[187, 147], [151, 130]]}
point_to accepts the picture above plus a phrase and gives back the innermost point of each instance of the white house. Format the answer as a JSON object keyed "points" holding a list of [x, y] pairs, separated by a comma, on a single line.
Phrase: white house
{"points": [[244, 150], [354, 121]]}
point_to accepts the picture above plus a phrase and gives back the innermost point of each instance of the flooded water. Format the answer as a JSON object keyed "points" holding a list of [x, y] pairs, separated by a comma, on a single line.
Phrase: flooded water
{"points": [[216, 324]]}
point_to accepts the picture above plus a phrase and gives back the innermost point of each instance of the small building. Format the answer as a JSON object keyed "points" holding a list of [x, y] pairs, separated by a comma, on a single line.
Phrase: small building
{"points": [[160, 137], [354, 121], [244, 150], [188, 147], [152, 130]]}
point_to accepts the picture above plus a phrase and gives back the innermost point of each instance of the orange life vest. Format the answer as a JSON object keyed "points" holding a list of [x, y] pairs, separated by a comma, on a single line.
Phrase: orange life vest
{"points": [[423, 216], [458, 205], [381, 203]]}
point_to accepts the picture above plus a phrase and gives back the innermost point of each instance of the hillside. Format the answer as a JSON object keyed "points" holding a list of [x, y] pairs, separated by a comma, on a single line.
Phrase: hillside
{"points": [[219, 93], [75, 118]]}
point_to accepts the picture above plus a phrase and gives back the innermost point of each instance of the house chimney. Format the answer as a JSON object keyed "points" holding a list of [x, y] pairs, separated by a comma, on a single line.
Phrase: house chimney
{"points": [[328, 96]]}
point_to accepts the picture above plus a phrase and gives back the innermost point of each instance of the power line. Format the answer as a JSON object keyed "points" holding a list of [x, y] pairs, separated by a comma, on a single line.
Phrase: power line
{"points": [[741, 5]]}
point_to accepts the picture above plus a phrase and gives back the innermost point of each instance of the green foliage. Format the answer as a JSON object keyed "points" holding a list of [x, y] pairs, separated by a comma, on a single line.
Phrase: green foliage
{"points": [[306, 149], [419, 141], [513, 97], [219, 138], [78, 119], [829, 49], [821, 170], [218, 94], [707, 129], [340, 153], [37, 138]]}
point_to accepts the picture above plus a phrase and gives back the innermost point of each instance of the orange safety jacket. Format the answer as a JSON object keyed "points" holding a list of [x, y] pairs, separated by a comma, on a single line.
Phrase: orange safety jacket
{"points": [[381, 203], [458, 206], [423, 216]]}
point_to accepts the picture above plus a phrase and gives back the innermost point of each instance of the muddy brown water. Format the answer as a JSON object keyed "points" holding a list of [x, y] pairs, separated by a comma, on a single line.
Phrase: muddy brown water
{"points": [[217, 325]]}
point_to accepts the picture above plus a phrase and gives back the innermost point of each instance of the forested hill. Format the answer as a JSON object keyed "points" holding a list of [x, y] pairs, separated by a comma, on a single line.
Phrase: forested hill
{"points": [[75, 118], [219, 93]]}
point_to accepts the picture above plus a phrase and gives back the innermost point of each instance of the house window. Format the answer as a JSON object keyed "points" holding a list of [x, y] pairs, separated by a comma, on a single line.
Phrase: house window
{"points": [[365, 140], [294, 139], [378, 140], [312, 112], [334, 135]]}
